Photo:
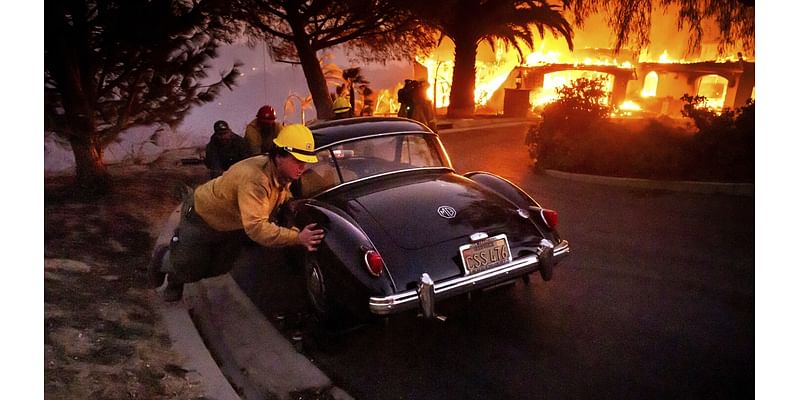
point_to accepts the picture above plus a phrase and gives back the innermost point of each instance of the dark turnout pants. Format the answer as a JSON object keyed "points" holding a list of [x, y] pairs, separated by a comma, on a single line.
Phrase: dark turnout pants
{"points": [[201, 251]]}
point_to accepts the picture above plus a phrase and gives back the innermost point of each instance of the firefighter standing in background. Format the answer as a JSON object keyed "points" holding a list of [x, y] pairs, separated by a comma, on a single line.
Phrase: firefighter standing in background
{"points": [[261, 131], [404, 97], [341, 108], [422, 109], [224, 149]]}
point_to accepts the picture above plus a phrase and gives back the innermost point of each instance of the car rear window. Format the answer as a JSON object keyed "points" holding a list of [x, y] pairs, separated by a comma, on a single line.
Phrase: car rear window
{"points": [[368, 157]]}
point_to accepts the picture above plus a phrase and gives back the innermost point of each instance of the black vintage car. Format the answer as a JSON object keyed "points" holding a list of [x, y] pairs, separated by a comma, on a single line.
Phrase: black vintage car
{"points": [[404, 230]]}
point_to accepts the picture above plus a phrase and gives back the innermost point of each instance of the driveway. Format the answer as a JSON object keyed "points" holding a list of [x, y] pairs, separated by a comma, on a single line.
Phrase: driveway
{"points": [[655, 301]]}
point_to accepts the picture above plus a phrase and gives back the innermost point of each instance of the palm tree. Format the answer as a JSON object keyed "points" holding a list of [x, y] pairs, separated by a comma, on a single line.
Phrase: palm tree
{"points": [[354, 80], [304, 103], [469, 22]]}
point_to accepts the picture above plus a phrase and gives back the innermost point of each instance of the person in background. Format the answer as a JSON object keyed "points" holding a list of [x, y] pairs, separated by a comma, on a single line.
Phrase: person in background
{"points": [[405, 98], [422, 109], [224, 212], [261, 131], [224, 149], [341, 108], [367, 110]]}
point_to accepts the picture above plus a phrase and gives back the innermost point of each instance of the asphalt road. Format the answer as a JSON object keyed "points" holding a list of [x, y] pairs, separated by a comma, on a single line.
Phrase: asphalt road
{"points": [[655, 301]]}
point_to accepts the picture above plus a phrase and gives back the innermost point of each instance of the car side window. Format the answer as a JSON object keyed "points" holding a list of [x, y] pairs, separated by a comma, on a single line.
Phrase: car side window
{"points": [[416, 152], [358, 159], [381, 148], [319, 176]]}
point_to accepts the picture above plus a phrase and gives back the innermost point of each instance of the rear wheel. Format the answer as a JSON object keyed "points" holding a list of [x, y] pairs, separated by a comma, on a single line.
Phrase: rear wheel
{"points": [[331, 315], [316, 288]]}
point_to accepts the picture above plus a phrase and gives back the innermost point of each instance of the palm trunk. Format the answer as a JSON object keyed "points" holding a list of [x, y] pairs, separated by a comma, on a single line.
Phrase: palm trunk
{"points": [[316, 81], [462, 95]]}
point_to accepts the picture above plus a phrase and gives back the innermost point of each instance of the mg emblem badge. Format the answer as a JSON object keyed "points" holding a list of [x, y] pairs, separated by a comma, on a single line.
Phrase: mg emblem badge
{"points": [[446, 212]]}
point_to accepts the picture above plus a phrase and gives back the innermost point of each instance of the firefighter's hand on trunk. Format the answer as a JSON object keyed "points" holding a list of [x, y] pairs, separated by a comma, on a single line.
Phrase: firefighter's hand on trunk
{"points": [[310, 238]]}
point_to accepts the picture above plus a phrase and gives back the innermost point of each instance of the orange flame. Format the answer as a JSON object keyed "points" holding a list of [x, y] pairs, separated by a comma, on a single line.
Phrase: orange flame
{"points": [[494, 68]]}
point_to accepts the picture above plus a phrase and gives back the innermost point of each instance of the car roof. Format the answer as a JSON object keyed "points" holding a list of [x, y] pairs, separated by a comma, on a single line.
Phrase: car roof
{"points": [[327, 132]]}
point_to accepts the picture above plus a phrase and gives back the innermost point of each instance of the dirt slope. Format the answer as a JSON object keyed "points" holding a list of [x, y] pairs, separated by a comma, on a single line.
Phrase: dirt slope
{"points": [[103, 336]]}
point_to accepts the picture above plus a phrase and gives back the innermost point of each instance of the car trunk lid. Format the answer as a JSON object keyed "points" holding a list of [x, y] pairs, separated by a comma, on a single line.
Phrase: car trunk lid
{"points": [[423, 213]]}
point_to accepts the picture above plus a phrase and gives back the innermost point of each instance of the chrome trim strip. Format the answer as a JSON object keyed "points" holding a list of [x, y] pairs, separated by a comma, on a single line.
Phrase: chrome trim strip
{"points": [[381, 175], [375, 136], [444, 152], [387, 304]]}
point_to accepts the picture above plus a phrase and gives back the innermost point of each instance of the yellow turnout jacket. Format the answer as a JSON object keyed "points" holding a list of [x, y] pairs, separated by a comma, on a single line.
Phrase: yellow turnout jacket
{"points": [[245, 197]]}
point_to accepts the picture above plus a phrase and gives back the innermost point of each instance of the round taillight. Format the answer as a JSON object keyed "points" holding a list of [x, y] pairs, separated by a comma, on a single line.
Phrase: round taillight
{"points": [[550, 217], [374, 262]]}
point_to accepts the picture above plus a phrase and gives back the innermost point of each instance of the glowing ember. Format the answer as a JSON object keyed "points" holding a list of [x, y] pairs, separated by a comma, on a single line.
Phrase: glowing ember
{"points": [[628, 105], [626, 109]]}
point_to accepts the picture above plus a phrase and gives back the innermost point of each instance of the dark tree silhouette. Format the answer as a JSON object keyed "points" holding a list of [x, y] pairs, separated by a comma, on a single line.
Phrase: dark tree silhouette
{"points": [[370, 30], [630, 20], [355, 83], [469, 22], [111, 65]]}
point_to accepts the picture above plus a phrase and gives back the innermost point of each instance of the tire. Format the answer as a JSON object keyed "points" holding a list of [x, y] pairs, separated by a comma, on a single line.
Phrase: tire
{"points": [[316, 288], [331, 315]]}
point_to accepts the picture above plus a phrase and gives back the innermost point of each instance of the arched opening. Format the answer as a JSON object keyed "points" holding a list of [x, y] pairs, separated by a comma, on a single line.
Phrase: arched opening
{"points": [[713, 88], [650, 85], [555, 80]]}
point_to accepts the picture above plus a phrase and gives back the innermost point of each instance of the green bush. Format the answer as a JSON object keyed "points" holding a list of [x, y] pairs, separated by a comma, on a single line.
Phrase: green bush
{"points": [[724, 146], [576, 135]]}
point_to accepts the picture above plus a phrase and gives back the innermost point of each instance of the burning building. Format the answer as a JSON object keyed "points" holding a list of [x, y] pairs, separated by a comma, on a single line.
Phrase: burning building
{"points": [[650, 80], [653, 86]]}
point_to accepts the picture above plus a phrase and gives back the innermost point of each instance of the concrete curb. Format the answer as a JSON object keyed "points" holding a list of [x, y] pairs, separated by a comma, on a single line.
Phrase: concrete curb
{"points": [[248, 352], [735, 189], [186, 341], [250, 358]]}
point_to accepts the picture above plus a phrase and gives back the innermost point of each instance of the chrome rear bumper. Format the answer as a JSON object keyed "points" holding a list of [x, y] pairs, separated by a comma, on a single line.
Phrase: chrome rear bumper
{"points": [[544, 260]]}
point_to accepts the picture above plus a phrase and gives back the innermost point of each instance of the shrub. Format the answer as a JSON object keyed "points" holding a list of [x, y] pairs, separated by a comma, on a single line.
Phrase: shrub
{"points": [[576, 135], [724, 146], [562, 133]]}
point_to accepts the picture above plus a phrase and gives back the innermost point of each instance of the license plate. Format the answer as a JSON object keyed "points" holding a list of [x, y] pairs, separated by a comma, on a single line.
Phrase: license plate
{"points": [[485, 254]]}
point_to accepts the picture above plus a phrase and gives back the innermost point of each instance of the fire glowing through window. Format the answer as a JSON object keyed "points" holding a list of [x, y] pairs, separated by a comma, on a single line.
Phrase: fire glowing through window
{"points": [[650, 86], [713, 88]]}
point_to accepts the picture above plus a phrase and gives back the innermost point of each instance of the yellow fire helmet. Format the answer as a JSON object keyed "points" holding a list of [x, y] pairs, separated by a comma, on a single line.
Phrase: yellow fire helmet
{"points": [[341, 105], [298, 141]]}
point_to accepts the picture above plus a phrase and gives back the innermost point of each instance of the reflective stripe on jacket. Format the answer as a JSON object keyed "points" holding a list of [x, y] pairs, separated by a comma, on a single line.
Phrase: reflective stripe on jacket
{"points": [[245, 197]]}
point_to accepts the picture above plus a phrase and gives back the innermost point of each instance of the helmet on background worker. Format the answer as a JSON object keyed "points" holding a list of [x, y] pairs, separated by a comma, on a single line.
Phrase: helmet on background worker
{"points": [[260, 132], [341, 108], [266, 115]]}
